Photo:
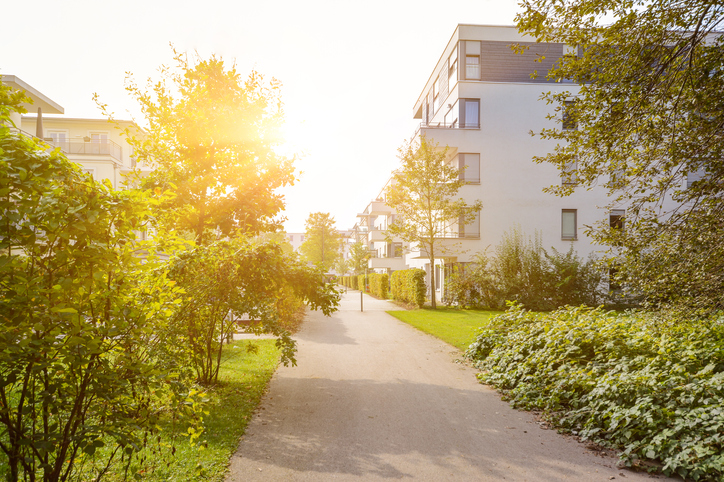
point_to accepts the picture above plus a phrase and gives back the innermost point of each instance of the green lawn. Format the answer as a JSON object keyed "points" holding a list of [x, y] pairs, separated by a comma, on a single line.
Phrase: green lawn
{"points": [[457, 327], [243, 378]]}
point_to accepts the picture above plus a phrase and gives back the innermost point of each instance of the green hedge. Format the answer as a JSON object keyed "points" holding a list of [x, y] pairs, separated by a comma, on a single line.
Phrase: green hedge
{"points": [[349, 281], [408, 286], [379, 283], [640, 383], [361, 283]]}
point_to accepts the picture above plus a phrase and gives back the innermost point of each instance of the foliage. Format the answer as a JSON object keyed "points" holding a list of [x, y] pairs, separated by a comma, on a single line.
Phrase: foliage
{"points": [[342, 266], [454, 326], [523, 271], [81, 363], [639, 382], [379, 284], [408, 286], [228, 280], [349, 281], [322, 242], [210, 137], [359, 255], [362, 284], [423, 192], [649, 112], [10, 101]]}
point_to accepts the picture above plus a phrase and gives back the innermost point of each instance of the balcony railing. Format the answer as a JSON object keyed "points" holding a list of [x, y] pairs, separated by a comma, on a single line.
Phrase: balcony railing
{"points": [[452, 235], [102, 148]]}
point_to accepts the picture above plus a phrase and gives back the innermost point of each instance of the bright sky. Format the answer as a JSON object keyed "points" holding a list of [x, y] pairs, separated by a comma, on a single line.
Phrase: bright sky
{"points": [[351, 71]]}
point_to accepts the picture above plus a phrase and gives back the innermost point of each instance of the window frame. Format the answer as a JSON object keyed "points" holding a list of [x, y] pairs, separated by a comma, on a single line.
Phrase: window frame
{"points": [[574, 235]]}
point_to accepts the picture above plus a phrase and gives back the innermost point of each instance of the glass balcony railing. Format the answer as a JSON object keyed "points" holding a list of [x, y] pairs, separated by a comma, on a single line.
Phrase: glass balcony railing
{"points": [[93, 147]]}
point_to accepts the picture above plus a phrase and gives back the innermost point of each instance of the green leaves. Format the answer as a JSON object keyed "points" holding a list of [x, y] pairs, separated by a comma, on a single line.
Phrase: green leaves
{"points": [[637, 382], [647, 78]]}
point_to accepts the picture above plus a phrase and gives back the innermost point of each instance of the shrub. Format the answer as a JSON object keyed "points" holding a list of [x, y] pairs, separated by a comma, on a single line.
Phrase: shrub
{"points": [[408, 286], [361, 284], [640, 383], [379, 283], [522, 271]]}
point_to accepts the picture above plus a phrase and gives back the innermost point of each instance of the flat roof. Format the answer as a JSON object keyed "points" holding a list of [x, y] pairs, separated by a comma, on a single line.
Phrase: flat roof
{"points": [[41, 100]]}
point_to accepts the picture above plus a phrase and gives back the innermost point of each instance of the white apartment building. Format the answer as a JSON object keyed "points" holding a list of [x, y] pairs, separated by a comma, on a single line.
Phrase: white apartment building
{"points": [[96, 144], [482, 103]]}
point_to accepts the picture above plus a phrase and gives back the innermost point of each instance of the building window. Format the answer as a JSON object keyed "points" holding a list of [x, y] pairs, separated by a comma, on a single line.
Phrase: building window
{"points": [[569, 224], [616, 218], [451, 118], [453, 67], [472, 60], [470, 113], [569, 120], [471, 229], [569, 175], [98, 143], [437, 277], [57, 136], [469, 165]]}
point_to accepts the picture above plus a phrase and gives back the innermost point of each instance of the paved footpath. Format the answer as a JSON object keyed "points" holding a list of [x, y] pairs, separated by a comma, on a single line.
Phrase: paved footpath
{"points": [[373, 399]]}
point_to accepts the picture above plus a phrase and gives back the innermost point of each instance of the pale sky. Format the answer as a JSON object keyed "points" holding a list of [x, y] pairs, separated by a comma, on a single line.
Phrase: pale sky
{"points": [[351, 71]]}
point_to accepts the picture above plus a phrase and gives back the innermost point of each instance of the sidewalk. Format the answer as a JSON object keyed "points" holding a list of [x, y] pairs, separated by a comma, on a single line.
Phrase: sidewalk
{"points": [[372, 398]]}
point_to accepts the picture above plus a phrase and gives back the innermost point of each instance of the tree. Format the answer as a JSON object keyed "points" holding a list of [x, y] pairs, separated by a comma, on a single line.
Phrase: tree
{"points": [[359, 255], [423, 193], [322, 241], [211, 137], [81, 360], [227, 280], [647, 124], [342, 266]]}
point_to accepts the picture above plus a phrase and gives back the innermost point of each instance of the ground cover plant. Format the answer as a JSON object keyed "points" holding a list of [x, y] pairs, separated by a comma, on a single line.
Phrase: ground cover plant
{"points": [[453, 326], [641, 383], [245, 371]]}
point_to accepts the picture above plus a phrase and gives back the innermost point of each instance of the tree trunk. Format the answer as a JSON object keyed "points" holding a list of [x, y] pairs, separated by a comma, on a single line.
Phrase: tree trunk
{"points": [[433, 303]]}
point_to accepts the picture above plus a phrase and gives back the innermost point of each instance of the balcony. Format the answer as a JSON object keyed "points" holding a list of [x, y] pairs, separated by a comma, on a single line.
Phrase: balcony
{"points": [[104, 148], [378, 208], [383, 263], [444, 125], [377, 236]]}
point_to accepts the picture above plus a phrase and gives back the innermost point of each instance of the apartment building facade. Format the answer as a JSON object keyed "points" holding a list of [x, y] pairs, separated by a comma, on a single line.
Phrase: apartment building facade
{"points": [[482, 102], [97, 145]]}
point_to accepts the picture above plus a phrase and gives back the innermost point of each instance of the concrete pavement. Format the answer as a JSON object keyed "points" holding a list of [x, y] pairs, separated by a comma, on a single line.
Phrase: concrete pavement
{"points": [[373, 399]]}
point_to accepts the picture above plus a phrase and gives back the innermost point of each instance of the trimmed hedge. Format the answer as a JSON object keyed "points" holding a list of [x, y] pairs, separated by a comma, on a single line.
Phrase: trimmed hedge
{"points": [[349, 281], [361, 283], [379, 283], [408, 286], [637, 382]]}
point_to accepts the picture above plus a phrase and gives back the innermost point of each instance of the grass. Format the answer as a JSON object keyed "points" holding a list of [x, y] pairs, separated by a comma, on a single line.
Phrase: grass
{"points": [[243, 379], [454, 326]]}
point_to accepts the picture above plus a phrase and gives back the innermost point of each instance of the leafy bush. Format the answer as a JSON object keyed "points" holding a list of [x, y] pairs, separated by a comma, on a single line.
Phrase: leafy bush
{"points": [[408, 286], [641, 383], [379, 283], [361, 283], [522, 271]]}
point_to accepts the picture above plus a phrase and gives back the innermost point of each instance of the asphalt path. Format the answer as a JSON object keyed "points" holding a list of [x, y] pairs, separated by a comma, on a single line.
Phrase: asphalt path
{"points": [[373, 399]]}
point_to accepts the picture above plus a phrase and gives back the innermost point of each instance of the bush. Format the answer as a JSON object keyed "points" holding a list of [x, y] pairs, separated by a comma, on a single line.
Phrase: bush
{"points": [[379, 284], [523, 271], [641, 383], [408, 286]]}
